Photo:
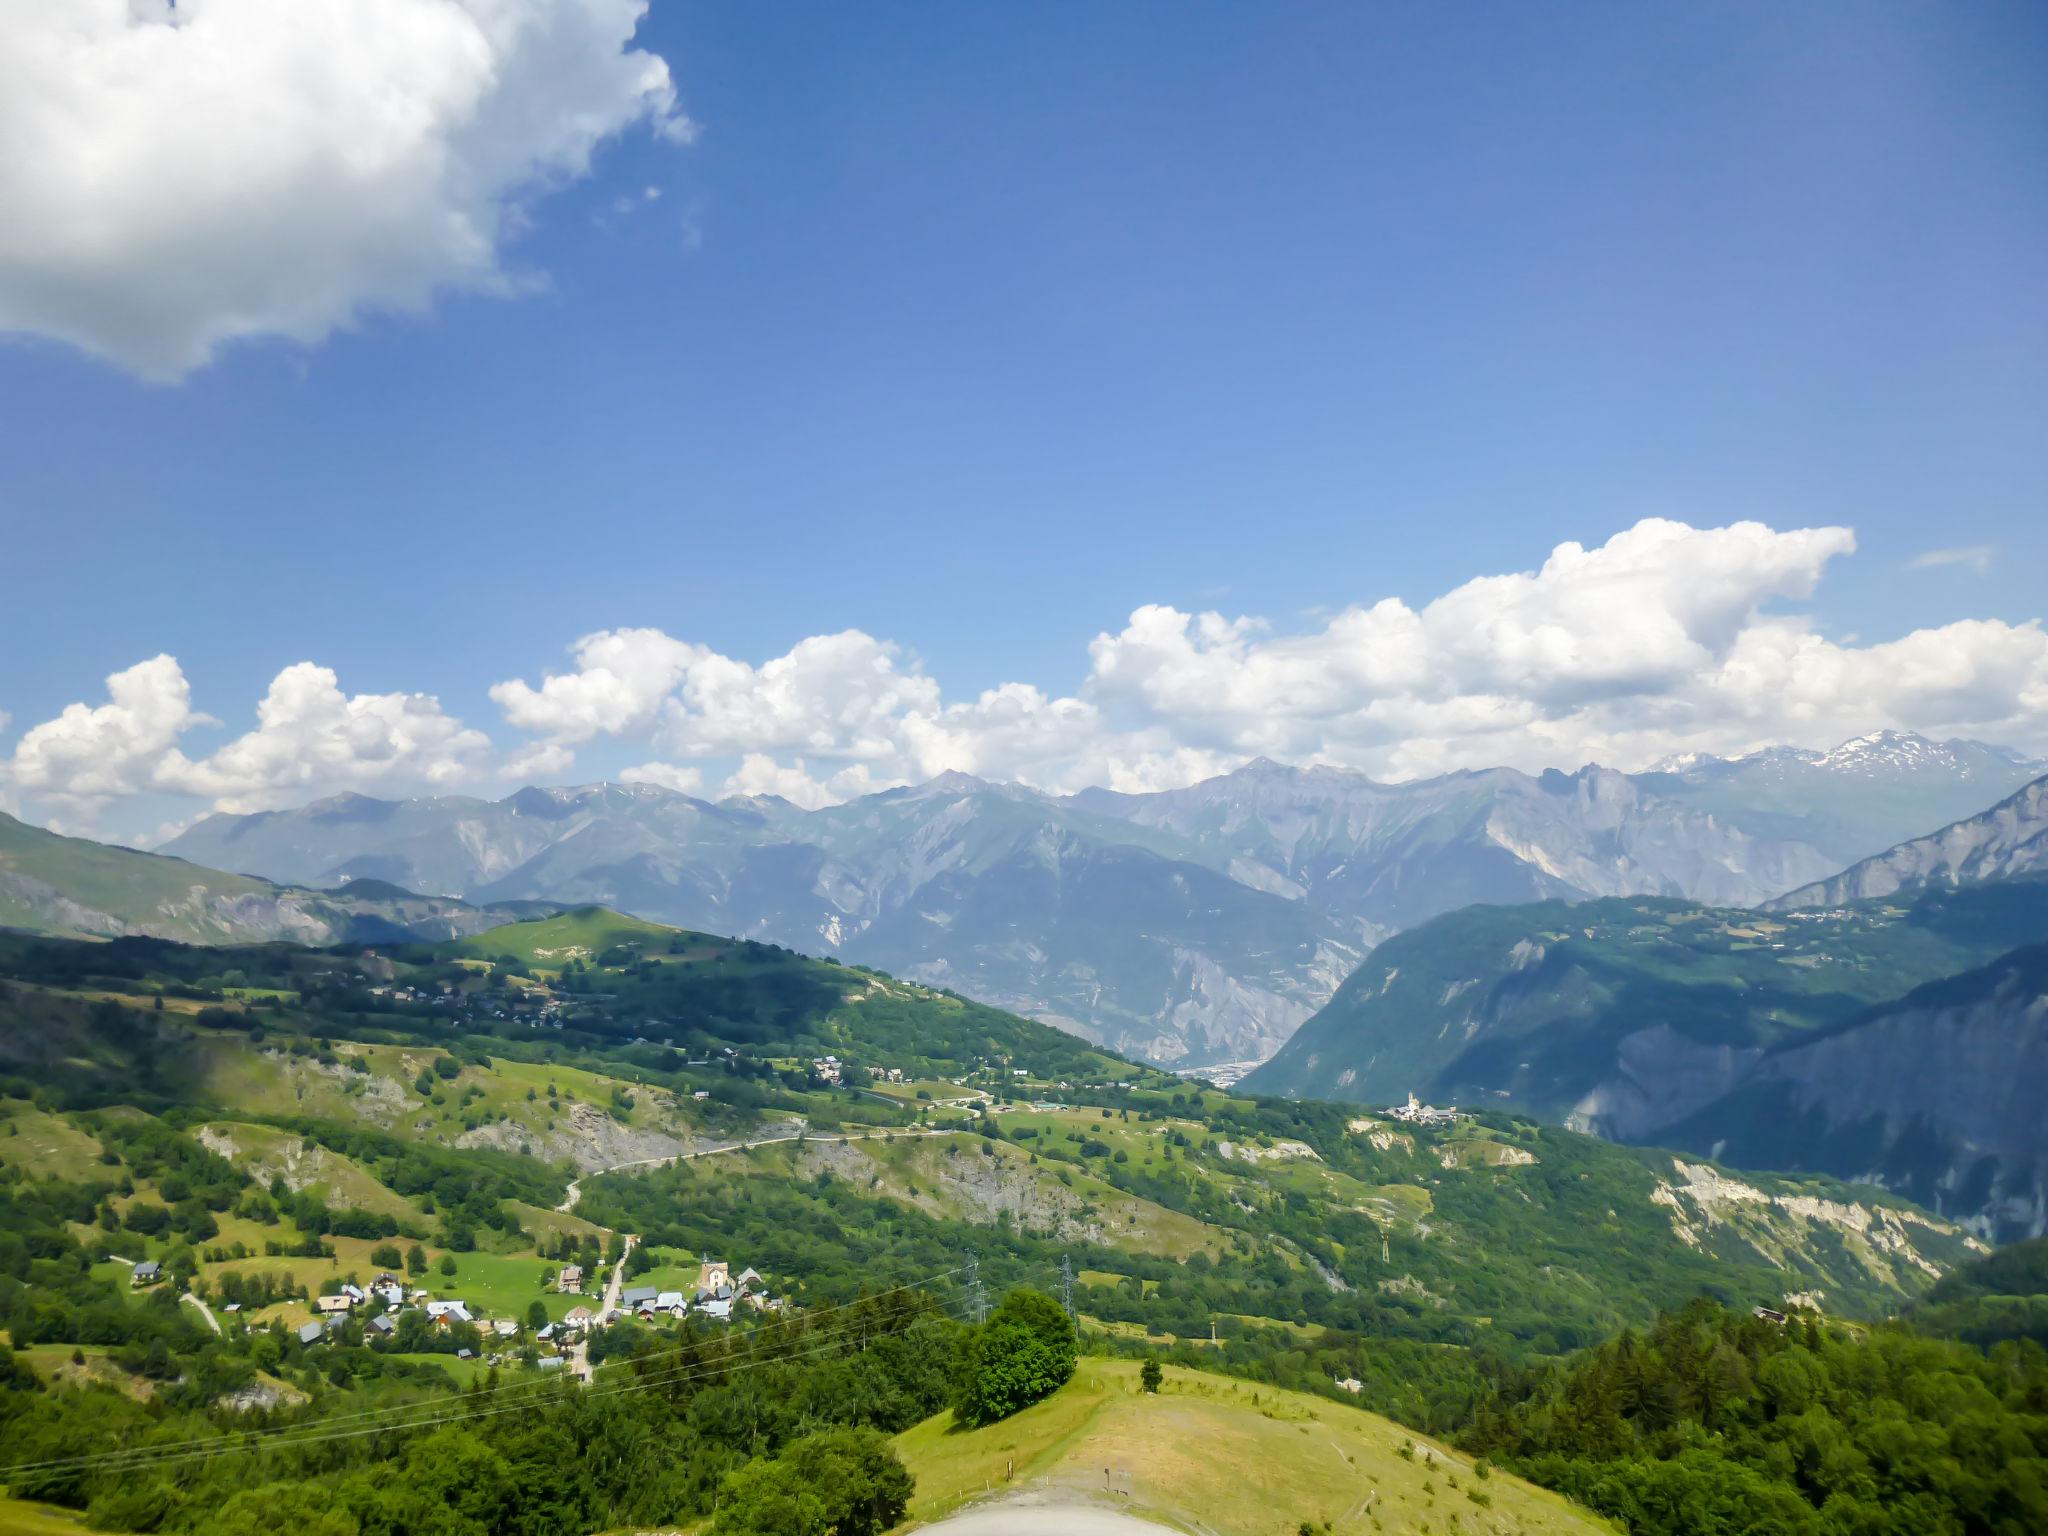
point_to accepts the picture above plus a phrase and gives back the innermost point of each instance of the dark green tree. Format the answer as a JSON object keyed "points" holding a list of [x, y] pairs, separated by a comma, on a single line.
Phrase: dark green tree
{"points": [[838, 1482], [1022, 1353]]}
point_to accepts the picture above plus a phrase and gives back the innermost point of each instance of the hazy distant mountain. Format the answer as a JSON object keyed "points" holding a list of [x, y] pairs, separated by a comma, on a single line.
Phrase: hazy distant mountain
{"points": [[1194, 927], [1392, 855], [2010, 839], [1851, 802], [70, 886]]}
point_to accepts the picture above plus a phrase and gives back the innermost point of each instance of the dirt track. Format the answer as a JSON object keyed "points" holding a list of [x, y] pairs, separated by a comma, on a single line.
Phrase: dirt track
{"points": [[1034, 1519]]}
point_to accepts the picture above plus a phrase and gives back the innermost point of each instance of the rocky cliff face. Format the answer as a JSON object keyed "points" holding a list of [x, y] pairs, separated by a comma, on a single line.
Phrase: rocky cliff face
{"points": [[2006, 842], [1938, 1097]]}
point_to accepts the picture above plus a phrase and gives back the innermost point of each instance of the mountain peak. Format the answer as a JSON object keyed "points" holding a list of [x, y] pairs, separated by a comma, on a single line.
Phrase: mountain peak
{"points": [[1875, 744], [954, 782]]}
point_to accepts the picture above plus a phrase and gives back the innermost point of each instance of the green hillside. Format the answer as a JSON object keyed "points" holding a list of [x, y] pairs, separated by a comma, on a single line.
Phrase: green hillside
{"points": [[1210, 1453], [269, 1121], [71, 886], [2000, 1297]]}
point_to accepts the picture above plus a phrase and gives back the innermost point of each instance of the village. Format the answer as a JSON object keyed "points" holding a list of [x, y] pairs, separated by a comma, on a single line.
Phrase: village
{"points": [[1414, 1113], [390, 1314]]}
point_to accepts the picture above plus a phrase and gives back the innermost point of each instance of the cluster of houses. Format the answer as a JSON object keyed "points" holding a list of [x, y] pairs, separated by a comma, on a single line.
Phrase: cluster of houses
{"points": [[335, 1309], [717, 1292], [832, 1070], [1423, 1114]]}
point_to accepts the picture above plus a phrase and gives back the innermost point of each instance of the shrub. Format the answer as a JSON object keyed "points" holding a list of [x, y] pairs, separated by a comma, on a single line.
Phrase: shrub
{"points": [[1022, 1353]]}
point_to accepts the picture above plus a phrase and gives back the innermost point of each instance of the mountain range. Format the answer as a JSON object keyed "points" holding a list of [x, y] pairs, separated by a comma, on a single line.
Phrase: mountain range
{"points": [[1895, 1039], [1192, 927], [2009, 839], [78, 888]]}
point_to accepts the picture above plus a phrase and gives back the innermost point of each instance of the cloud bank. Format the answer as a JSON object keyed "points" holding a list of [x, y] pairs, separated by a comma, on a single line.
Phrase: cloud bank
{"points": [[1664, 639], [172, 179]]}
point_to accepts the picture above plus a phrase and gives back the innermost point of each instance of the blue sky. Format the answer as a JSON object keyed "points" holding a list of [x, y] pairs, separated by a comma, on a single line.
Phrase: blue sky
{"points": [[975, 329]]}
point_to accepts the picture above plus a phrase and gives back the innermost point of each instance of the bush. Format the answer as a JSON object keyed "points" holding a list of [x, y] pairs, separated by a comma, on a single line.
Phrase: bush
{"points": [[1024, 1352], [840, 1482]]}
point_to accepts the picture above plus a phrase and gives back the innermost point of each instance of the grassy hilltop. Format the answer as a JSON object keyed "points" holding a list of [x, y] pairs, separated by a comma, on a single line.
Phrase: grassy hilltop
{"points": [[1210, 1453]]}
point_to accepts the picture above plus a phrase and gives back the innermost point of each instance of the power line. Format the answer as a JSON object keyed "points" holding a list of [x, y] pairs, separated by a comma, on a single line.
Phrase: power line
{"points": [[321, 1432], [529, 1395], [119, 1461]]}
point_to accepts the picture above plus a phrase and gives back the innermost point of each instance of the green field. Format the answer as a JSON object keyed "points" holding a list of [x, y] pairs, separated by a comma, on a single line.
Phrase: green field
{"points": [[18, 1518]]}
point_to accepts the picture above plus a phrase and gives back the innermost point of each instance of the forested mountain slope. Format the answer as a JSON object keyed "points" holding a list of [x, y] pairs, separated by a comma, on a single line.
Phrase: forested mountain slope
{"points": [[1643, 1020]]}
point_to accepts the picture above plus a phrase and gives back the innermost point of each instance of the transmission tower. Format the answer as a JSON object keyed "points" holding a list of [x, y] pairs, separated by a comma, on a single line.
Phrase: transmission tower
{"points": [[1067, 1284], [977, 1299]]}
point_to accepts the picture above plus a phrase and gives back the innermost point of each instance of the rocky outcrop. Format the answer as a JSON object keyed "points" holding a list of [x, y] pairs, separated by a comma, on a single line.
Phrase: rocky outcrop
{"points": [[1806, 1232], [2008, 841]]}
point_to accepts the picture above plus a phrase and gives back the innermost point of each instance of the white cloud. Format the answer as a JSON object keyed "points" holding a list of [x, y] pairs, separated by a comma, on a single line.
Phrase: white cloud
{"points": [[173, 179], [844, 695], [622, 679], [311, 739], [119, 748], [1976, 557], [1664, 639], [760, 774]]}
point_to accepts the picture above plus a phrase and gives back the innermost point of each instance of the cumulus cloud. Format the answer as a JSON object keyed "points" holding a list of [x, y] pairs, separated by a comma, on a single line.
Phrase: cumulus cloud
{"points": [[100, 752], [622, 679], [1665, 638], [174, 178], [310, 739]]}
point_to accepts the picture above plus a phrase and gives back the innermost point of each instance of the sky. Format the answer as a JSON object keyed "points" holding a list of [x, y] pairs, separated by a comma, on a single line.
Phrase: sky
{"points": [[414, 396]]}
